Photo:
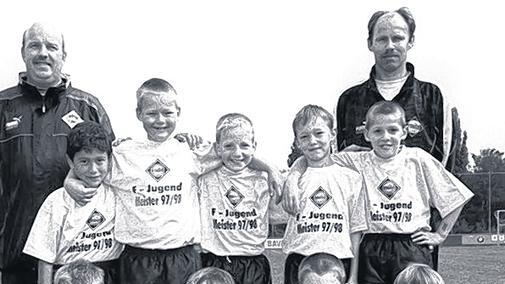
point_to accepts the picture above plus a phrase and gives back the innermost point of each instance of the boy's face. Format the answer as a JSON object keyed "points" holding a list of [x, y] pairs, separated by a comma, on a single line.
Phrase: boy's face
{"points": [[385, 133], [159, 114], [314, 139], [236, 148], [90, 166]]}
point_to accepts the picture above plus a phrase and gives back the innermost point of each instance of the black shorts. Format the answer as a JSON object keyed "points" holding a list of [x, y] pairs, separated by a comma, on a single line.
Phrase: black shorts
{"points": [[24, 271], [292, 265], [244, 269], [110, 269], [173, 266], [383, 256]]}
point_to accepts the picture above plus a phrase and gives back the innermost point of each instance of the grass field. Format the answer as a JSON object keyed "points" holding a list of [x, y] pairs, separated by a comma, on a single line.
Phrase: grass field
{"points": [[458, 265]]}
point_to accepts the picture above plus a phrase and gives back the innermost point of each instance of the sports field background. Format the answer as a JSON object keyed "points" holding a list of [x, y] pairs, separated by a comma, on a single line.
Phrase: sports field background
{"points": [[458, 264]]}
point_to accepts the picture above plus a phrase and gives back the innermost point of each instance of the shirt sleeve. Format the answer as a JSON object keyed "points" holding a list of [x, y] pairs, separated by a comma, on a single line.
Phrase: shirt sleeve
{"points": [[446, 191], [347, 159], [44, 238], [357, 209], [205, 158]]}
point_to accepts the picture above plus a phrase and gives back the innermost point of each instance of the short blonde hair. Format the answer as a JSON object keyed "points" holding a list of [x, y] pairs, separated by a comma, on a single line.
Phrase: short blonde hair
{"points": [[417, 273], [385, 108], [79, 272], [210, 275], [321, 264], [233, 120], [156, 86]]}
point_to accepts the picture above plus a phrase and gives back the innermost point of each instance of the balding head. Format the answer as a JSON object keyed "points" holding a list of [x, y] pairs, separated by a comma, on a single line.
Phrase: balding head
{"points": [[43, 52]]}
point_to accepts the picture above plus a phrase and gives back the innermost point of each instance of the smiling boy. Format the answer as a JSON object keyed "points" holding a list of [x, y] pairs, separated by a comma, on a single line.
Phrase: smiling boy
{"points": [[64, 231], [401, 184], [234, 203], [332, 210]]}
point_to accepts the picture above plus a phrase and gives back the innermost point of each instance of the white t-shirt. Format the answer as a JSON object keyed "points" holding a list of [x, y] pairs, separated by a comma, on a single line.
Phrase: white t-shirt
{"points": [[234, 211], [155, 200], [401, 190], [331, 208], [64, 231], [389, 89]]}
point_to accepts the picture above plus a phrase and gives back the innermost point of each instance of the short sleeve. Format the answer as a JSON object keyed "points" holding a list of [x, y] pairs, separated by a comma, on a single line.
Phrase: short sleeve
{"points": [[45, 234], [347, 160], [446, 192], [357, 208], [205, 158]]}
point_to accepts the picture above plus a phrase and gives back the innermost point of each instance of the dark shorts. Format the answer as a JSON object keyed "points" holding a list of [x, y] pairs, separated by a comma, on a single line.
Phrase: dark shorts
{"points": [[244, 269], [293, 264], [173, 266], [383, 256], [110, 269], [24, 271]]}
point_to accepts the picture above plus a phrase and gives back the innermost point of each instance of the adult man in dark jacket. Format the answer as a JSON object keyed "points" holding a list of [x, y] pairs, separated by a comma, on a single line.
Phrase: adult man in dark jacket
{"points": [[35, 118], [390, 37], [428, 114]]}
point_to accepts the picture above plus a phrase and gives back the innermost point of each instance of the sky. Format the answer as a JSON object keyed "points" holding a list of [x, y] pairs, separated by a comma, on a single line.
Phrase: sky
{"points": [[266, 59]]}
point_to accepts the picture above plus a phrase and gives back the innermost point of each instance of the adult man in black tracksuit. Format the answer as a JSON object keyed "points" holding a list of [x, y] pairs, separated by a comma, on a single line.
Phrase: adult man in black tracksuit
{"points": [[35, 118], [429, 119]]}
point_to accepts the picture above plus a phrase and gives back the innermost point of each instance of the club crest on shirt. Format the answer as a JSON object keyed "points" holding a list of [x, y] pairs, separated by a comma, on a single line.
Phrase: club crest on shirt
{"points": [[157, 170], [320, 197], [414, 127], [234, 196], [360, 129], [388, 188], [95, 219], [14, 123], [72, 119]]}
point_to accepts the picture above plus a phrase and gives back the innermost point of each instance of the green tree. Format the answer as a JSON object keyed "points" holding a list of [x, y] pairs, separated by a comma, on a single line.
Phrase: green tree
{"points": [[461, 160], [489, 160]]}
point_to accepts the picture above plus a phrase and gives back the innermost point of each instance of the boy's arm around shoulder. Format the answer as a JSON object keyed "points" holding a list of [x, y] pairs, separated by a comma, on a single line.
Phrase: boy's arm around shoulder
{"points": [[274, 177], [291, 189]]}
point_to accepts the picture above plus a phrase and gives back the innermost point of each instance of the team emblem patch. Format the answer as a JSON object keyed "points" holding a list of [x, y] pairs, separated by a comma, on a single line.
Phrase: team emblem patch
{"points": [[157, 170], [95, 219], [388, 188], [360, 129], [320, 197], [72, 119], [14, 123], [414, 127], [234, 196]]}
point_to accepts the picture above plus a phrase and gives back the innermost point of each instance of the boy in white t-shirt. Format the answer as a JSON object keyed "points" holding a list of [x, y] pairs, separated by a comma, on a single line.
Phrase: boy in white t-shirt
{"points": [[64, 231], [153, 180], [234, 202], [332, 209], [401, 184]]}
